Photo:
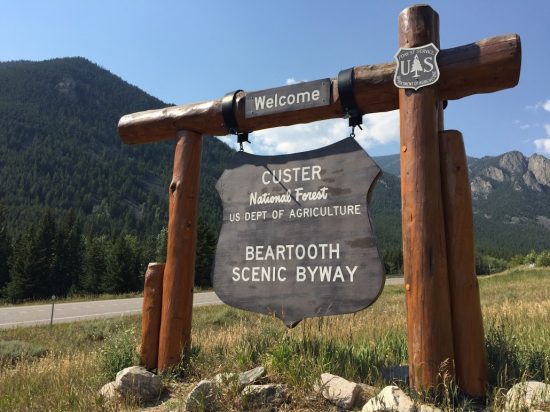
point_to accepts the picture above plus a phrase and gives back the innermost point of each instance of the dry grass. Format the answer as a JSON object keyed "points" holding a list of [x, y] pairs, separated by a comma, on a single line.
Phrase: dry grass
{"points": [[516, 307]]}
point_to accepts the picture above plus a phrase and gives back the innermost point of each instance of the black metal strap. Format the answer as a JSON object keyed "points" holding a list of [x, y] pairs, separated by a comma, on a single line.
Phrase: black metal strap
{"points": [[229, 118], [347, 98], [228, 112]]}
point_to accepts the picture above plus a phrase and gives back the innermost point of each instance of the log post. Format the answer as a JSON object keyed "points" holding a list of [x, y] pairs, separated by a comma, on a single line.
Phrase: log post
{"points": [[470, 357], [179, 274], [151, 314], [429, 332]]}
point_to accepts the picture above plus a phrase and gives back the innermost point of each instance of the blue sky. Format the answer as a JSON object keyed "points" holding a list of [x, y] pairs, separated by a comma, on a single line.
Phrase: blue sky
{"points": [[190, 51]]}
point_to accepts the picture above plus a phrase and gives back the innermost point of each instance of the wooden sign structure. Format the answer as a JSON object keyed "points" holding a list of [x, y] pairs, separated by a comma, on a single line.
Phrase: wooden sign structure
{"points": [[443, 308], [296, 239]]}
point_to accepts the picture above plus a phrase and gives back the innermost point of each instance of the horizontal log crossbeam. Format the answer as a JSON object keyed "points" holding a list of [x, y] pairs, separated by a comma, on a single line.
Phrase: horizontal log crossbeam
{"points": [[485, 66]]}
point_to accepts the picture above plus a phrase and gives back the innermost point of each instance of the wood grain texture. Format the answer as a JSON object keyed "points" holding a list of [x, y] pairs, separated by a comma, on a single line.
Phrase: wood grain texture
{"points": [[482, 67], [468, 336], [151, 314], [179, 273], [429, 332]]}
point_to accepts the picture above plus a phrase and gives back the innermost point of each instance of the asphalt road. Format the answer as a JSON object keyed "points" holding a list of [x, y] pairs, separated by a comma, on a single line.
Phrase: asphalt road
{"points": [[20, 316]]}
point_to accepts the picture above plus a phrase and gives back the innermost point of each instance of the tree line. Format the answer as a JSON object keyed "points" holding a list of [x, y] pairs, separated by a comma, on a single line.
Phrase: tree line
{"points": [[55, 257]]}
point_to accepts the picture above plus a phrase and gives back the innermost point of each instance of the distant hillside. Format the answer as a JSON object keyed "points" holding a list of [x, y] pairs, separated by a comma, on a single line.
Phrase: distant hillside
{"points": [[511, 201], [59, 149]]}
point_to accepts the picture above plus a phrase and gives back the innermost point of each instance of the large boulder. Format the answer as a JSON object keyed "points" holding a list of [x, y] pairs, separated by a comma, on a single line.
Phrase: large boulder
{"points": [[339, 391], [264, 396], [137, 382], [109, 391], [391, 398], [251, 376], [201, 397], [527, 395]]}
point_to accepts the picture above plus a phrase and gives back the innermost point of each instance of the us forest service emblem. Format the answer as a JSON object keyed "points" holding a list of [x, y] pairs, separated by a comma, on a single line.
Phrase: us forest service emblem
{"points": [[416, 67], [296, 239]]}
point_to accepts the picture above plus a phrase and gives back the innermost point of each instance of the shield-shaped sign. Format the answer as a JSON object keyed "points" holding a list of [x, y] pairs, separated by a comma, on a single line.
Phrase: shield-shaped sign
{"points": [[416, 67], [296, 239]]}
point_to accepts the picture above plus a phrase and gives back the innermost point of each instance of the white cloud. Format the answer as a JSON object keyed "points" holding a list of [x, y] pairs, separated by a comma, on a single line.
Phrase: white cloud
{"points": [[378, 129], [292, 80], [539, 105], [543, 145]]}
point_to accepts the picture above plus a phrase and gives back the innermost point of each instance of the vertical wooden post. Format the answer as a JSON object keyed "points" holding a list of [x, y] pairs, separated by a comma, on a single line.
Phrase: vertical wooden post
{"points": [[179, 273], [430, 341], [470, 357], [151, 315]]}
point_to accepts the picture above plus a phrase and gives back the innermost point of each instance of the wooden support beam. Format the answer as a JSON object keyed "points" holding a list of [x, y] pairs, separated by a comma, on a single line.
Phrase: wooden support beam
{"points": [[468, 337], [151, 315], [430, 341], [482, 67], [179, 274]]}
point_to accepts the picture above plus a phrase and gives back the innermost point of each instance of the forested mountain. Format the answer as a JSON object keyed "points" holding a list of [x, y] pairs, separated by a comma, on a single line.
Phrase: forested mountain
{"points": [[511, 201], [60, 156], [81, 209], [59, 149]]}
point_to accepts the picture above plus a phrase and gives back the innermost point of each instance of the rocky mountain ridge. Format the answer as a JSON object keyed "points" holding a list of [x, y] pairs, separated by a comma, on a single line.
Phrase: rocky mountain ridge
{"points": [[522, 172]]}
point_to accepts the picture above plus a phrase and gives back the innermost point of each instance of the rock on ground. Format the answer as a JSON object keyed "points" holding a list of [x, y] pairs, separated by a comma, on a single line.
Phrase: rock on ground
{"points": [[264, 395], [200, 398], [525, 395], [339, 391], [228, 378], [139, 383], [109, 391], [391, 398], [251, 376], [366, 393]]}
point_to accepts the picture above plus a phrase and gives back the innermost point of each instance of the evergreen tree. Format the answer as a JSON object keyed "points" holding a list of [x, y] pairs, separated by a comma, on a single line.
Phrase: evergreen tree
{"points": [[67, 267], [123, 269], [20, 285], [5, 249], [32, 263], [206, 246], [416, 67], [161, 245], [95, 265], [42, 257]]}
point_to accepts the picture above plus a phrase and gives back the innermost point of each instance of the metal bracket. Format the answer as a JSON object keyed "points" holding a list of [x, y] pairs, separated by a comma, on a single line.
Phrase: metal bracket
{"points": [[347, 98], [229, 118]]}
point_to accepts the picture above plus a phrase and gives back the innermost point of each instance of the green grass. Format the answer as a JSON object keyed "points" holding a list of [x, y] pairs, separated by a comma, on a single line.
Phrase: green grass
{"points": [[81, 357]]}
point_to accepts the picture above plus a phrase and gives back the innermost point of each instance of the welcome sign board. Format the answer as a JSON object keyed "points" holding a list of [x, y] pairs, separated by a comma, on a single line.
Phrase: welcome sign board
{"points": [[296, 239]]}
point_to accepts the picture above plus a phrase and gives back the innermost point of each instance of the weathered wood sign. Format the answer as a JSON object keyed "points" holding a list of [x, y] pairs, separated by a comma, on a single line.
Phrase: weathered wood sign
{"points": [[296, 239], [290, 98]]}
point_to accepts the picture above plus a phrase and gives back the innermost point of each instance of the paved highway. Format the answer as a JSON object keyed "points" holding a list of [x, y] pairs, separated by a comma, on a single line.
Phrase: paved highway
{"points": [[72, 312]]}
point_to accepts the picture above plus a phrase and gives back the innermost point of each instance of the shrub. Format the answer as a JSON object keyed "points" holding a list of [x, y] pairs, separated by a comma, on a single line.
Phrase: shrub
{"points": [[543, 259], [12, 351], [118, 352]]}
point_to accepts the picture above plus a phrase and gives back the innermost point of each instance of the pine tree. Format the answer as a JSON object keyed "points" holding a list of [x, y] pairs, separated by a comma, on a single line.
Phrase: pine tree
{"points": [[123, 268], [206, 246], [417, 67], [94, 265], [67, 265], [20, 285], [161, 245], [5, 249]]}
